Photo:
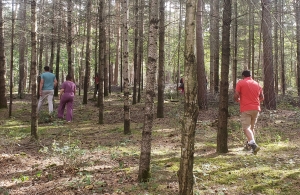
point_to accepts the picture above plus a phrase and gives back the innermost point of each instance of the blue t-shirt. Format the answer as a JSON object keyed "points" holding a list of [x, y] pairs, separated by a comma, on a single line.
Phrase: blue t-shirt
{"points": [[48, 78]]}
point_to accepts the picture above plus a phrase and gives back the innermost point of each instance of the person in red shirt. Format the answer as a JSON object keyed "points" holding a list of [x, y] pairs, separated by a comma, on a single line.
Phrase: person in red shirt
{"points": [[249, 94]]}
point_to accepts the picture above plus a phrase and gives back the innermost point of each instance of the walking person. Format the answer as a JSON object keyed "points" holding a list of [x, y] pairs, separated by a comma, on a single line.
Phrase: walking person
{"points": [[47, 83], [67, 94], [249, 94]]}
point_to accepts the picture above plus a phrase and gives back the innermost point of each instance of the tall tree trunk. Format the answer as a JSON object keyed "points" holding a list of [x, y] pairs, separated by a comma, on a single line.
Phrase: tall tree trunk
{"points": [[102, 46], [191, 109], [69, 37], [52, 43], [88, 52], [178, 77], [276, 51], [202, 91], [144, 167], [118, 35], [214, 47], [282, 72], [125, 68], [269, 90], [235, 46], [135, 55], [11, 84], [141, 49], [34, 123], [96, 57], [59, 26], [222, 134], [297, 17], [3, 101], [161, 62], [22, 48]]}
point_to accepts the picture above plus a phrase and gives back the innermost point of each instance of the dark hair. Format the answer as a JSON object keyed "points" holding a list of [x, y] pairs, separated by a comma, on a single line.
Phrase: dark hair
{"points": [[246, 73], [68, 77], [46, 68]]}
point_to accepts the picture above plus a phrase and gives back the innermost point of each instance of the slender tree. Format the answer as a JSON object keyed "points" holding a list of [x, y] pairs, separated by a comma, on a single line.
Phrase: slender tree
{"points": [[161, 62], [235, 45], [269, 89], [191, 109], [118, 35], [88, 51], [125, 67], [102, 46], [140, 59], [144, 167], [297, 17], [11, 57], [34, 124], [57, 67], [214, 46], [69, 37], [222, 134], [22, 48], [135, 55], [3, 102], [202, 91]]}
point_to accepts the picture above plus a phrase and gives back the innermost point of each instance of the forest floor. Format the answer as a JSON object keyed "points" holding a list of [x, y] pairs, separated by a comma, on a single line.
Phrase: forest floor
{"points": [[83, 157]]}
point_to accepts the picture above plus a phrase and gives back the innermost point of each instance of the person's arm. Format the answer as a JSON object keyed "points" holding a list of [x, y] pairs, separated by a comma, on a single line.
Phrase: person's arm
{"points": [[55, 82], [41, 86], [236, 96], [61, 92], [261, 96]]}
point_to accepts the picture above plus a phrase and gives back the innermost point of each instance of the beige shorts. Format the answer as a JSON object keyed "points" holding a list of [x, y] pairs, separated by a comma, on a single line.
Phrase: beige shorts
{"points": [[249, 118]]}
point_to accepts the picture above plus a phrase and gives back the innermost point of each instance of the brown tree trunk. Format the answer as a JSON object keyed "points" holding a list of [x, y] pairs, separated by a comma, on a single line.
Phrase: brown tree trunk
{"points": [[125, 67], [214, 47], [235, 46], [202, 91], [52, 42], [144, 166], [282, 72], [22, 48], [297, 17], [58, 52], [185, 173], [87, 52], [135, 53], [222, 134], [269, 90], [69, 37], [161, 62], [276, 51], [102, 46], [118, 34], [3, 101], [34, 124], [141, 49]]}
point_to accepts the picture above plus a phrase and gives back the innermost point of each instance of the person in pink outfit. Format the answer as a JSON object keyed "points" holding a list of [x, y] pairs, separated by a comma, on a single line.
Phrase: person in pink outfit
{"points": [[67, 94]]}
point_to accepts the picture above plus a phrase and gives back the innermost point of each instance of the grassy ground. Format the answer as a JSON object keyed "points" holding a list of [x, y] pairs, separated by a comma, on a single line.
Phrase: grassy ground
{"points": [[83, 157]]}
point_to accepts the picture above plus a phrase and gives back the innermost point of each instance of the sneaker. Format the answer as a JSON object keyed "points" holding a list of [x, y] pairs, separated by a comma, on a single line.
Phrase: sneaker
{"points": [[255, 148], [247, 147]]}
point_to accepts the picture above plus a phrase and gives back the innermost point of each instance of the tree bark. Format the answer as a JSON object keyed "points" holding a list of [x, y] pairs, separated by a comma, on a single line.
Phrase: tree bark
{"points": [[125, 67], [191, 110], [144, 167], [22, 48], [222, 134], [297, 17], [161, 62], [269, 90], [202, 91], [3, 101], [34, 124], [88, 52]]}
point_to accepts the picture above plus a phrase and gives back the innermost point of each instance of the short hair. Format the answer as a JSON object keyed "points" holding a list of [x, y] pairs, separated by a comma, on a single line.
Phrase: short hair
{"points": [[246, 73], [47, 68], [68, 77]]}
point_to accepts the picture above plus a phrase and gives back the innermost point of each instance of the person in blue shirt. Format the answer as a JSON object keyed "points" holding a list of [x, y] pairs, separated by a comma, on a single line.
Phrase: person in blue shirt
{"points": [[47, 84]]}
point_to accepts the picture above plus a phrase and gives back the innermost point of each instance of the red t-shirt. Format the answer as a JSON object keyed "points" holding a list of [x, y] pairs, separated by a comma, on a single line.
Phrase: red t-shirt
{"points": [[249, 91]]}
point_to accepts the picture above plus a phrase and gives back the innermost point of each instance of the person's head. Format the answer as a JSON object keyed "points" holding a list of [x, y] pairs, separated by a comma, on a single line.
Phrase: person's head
{"points": [[47, 68], [69, 77], [246, 73]]}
